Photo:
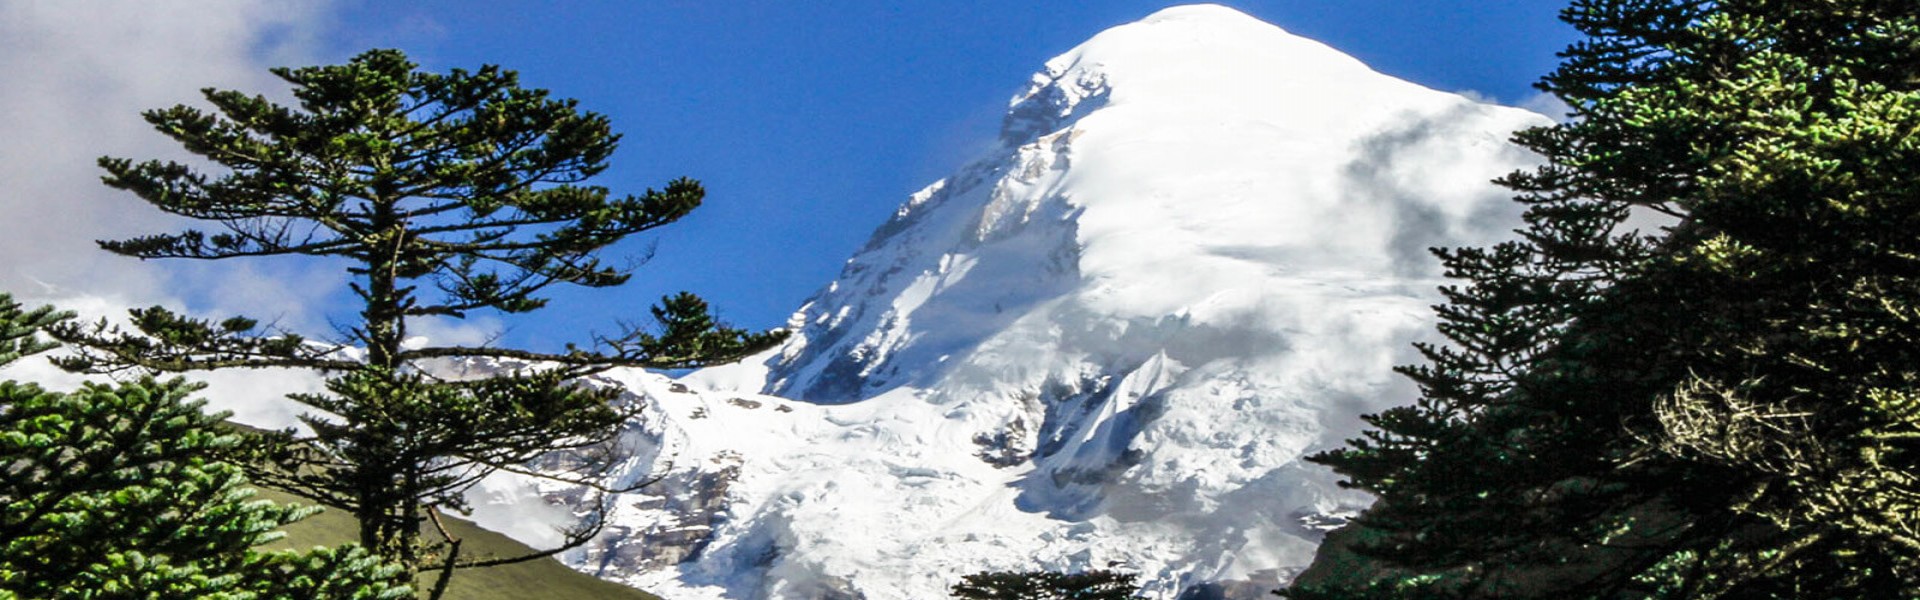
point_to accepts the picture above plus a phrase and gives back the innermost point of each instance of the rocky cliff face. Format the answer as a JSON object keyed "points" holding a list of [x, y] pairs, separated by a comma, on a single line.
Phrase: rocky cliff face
{"points": [[1193, 260]]}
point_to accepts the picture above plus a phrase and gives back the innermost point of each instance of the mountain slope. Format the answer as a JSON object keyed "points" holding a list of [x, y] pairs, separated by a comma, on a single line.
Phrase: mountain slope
{"points": [[1194, 258], [532, 579]]}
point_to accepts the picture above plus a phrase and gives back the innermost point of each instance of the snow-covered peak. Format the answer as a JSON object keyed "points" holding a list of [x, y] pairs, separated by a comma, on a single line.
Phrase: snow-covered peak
{"points": [[1181, 165], [1183, 52], [1203, 12], [1194, 259], [1199, 60]]}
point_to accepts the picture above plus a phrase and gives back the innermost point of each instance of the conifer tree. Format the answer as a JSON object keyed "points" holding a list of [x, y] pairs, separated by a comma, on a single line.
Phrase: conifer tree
{"points": [[1724, 408], [443, 195], [1046, 585], [114, 492]]}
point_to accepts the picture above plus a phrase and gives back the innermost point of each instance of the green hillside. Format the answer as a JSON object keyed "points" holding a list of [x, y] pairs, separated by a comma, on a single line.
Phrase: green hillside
{"points": [[541, 579]]}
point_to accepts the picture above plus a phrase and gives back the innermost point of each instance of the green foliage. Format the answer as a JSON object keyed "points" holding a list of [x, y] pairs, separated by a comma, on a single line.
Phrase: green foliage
{"points": [[442, 194], [1724, 408], [1047, 585], [20, 328], [114, 492]]}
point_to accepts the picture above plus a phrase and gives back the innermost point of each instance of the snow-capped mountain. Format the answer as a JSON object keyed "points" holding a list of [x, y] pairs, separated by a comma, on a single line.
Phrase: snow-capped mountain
{"points": [[1193, 259]]}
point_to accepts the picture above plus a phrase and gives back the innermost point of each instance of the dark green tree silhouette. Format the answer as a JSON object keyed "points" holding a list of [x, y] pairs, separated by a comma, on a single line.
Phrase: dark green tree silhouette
{"points": [[441, 194], [1047, 585], [1724, 408], [114, 492]]}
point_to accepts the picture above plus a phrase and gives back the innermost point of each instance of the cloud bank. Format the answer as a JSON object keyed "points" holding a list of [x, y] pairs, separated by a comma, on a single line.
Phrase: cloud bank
{"points": [[78, 75]]}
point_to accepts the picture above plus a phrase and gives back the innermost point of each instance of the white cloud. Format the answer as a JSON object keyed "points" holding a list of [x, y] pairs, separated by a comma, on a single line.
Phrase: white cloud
{"points": [[1544, 103], [76, 77], [1550, 105]]}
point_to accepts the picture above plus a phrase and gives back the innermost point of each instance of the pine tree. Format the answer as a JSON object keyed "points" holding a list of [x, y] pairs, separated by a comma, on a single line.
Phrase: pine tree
{"points": [[444, 194], [113, 492], [1047, 585], [1724, 408]]}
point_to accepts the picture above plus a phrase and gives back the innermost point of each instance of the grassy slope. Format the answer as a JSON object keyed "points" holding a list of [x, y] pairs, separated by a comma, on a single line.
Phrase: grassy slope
{"points": [[540, 578]]}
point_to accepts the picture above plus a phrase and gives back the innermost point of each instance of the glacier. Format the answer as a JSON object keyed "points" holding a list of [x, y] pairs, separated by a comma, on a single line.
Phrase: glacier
{"points": [[1193, 258]]}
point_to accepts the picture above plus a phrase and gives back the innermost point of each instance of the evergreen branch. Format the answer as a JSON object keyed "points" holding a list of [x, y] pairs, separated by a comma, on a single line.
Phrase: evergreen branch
{"points": [[164, 341], [196, 245], [20, 329]]}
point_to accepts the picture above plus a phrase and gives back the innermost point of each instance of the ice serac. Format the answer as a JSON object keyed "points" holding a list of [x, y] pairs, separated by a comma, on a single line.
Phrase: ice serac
{"points": [[1194, 258]]}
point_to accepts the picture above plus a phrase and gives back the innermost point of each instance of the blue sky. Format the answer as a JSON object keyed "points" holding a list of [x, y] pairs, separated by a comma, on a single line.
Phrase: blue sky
{"points": [[807, 121]]}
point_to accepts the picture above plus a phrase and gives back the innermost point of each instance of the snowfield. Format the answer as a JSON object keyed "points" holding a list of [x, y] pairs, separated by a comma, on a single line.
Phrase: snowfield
{"points": [[1194, 259]]}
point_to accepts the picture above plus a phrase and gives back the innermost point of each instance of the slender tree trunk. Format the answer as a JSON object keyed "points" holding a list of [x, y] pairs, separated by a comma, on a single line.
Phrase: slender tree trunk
{"points": [[389, 520], [384, 324]]}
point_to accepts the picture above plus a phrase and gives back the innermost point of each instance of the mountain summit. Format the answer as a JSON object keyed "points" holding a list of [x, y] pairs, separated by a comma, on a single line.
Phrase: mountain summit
{"points": [[1194, 258], [1174, 166]]}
